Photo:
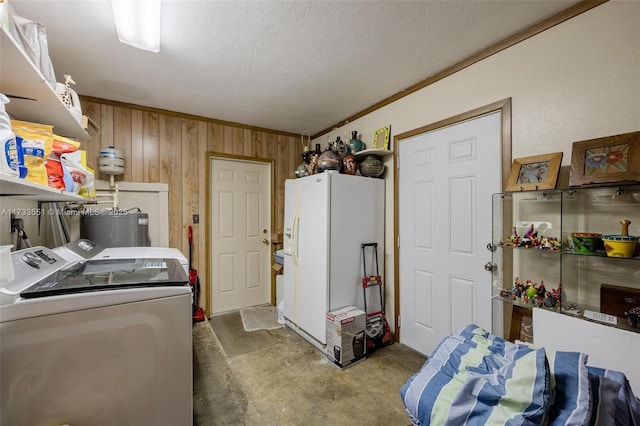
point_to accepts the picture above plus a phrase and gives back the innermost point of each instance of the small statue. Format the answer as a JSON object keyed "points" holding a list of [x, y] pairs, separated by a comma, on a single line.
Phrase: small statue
{"points": [[513, 238], [530, 232], [550, 300], [541, 289]]}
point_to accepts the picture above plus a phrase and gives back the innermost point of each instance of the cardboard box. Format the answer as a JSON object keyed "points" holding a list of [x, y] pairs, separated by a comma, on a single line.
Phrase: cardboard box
{"points": [[345, 336]]}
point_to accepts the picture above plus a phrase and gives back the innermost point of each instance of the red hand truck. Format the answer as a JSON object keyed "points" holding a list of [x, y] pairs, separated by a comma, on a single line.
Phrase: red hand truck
{"points": [[377, 328]]}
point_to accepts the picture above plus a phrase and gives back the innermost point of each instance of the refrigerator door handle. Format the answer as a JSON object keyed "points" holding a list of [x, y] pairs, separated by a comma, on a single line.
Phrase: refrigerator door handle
{"points": [[294, 238]]}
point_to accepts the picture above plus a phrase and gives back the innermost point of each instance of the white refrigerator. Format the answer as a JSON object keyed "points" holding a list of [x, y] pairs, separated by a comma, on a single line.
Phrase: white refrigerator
{"points": [[326, 219]]}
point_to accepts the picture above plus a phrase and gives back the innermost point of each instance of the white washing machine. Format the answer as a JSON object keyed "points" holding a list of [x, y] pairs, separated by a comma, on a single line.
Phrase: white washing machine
{"points": [[100, 342]]}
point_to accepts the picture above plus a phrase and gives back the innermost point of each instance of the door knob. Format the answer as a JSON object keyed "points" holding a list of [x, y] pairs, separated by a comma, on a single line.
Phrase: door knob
{"points": [[265, 241], [490, 267]]}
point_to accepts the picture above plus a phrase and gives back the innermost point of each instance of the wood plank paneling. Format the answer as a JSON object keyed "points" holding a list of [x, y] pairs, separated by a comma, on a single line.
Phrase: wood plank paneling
{"points": [[171, 173], [92, 110], [199, 244], [122, 140], [190, 176], [137, 154], [227, 140], [106, 126], [150, 147]]}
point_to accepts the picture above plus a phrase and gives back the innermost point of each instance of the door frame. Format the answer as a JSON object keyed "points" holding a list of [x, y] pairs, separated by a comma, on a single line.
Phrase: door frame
{"points": [[210, 155], [504, 106]]}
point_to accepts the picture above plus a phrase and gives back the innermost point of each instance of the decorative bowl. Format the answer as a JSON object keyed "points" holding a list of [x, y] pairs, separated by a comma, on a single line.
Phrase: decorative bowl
{"points": [[371, 167], [619, 245], [585, 242]]}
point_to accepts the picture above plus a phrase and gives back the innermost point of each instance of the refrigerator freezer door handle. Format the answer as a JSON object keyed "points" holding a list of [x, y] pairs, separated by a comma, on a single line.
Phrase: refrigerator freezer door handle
{"points": [[294, 238]]}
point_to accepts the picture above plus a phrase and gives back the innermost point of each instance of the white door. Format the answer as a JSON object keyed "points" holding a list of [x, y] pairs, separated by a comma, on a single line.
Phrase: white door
{"points": [[240, 234], [446, 179]]}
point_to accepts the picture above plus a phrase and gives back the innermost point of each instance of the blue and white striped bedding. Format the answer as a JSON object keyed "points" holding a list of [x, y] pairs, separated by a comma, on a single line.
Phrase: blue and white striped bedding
{"points": [[475, 378]]}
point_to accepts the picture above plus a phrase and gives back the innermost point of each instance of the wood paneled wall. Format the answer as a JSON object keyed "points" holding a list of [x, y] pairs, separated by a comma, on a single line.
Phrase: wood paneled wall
{"points": [[166, 147]]}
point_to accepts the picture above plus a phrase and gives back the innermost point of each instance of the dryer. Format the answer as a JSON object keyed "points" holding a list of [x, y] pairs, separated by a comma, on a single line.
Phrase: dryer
{"points": [[98, 341]]}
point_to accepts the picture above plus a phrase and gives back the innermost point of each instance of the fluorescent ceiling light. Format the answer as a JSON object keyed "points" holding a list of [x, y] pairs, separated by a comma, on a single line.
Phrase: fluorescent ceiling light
{"points": [[138, 23]]}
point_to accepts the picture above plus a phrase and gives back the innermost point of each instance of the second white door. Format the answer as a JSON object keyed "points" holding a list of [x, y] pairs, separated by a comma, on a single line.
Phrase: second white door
{"points": [[446, 179], [240, 239]]}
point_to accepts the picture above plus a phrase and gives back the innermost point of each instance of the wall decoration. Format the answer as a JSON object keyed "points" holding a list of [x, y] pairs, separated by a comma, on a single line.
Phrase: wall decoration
{"points": [[535, 173], [381, 137], [612, 159]]}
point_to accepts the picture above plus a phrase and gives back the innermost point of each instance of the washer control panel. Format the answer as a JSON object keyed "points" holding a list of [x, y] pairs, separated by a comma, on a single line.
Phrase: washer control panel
{"points": [[30, 266]]}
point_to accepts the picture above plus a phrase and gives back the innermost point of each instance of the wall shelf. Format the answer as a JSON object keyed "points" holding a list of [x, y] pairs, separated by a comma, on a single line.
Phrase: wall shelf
{"points": [[373, 151], [40, 103], [24, 189]]}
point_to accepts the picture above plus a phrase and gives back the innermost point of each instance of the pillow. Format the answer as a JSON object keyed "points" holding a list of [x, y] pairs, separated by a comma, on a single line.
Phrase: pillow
{"points": [[571, 400], [474, 377], [615, 386], [604, 393]]}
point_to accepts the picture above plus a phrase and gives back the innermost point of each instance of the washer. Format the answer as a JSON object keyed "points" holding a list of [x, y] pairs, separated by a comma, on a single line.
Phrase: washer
{"points": [[101, 341]]}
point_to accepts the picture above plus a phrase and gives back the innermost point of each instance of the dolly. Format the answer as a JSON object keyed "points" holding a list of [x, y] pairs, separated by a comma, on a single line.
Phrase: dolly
{"points": [[377, 328]]}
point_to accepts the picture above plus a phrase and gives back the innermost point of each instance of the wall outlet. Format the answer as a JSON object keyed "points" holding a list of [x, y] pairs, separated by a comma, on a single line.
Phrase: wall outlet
{"points": [[195, 218]]}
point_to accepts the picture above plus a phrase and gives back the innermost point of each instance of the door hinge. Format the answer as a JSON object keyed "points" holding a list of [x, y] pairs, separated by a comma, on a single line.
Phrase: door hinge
{"points": [[398, 241], [399, 322]]}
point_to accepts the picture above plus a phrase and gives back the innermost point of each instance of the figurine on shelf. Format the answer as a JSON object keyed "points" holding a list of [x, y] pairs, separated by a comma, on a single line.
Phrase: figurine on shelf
{"points": [[541, 290], [551, 299], [633, 316], [517, 287], [530, 238], [549, 243], [530, 232], [530, 292], [513, 238]]}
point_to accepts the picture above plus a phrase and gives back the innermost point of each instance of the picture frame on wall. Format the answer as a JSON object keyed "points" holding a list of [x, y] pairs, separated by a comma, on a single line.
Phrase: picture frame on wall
{"points": [[381, 137], [607, 160], [534, 173]]}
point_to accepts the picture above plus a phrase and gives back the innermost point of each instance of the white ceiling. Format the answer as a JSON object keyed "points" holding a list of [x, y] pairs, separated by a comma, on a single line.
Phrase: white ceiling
{"points": [[284, 65]]}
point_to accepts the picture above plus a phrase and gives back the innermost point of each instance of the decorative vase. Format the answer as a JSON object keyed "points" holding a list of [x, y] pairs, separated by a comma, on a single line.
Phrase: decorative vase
{"points": [[313, 160], [339, 146], [328, 160], [302, 170], [371, 167], [349, 164], [355, 144]]}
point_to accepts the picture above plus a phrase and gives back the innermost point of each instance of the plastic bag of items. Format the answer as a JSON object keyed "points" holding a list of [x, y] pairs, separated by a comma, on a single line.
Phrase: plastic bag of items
{"points": [[32, 38], [35, 141], [12, 162]]}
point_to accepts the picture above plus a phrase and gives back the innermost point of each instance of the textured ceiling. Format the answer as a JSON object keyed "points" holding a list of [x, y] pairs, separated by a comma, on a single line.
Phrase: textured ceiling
{"points": [[287, 66]]}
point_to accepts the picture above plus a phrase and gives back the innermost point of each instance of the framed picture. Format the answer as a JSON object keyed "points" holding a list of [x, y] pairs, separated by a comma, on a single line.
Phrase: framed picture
{"points": [[535, 173], [381, 138], [521, 325], [612, 159]]}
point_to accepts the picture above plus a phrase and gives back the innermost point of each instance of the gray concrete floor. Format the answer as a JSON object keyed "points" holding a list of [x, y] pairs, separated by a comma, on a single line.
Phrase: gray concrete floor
{"points": [[274, 377]]}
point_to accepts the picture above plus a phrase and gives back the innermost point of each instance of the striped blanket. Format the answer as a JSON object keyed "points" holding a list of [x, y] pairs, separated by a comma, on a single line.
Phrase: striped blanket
{"points": [[475, 378]]}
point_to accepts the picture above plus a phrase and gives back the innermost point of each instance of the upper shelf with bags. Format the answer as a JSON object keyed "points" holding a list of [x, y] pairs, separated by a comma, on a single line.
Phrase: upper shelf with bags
{"points": [[35, 95]]}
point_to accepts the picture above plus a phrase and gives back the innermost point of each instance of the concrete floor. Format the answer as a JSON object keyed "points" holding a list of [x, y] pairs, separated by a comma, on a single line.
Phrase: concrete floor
{"points": [[274, 377]]}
